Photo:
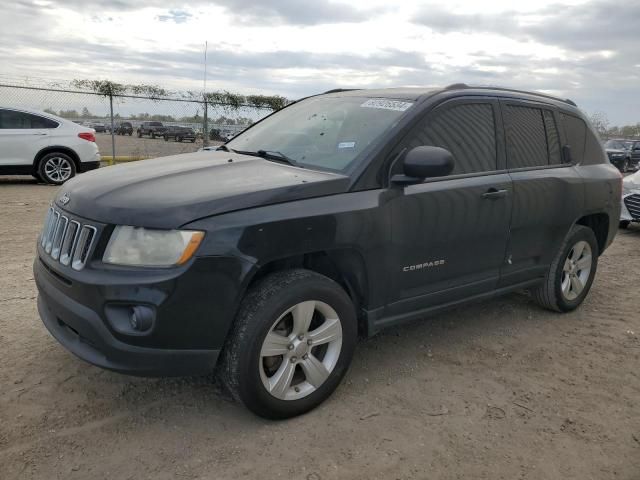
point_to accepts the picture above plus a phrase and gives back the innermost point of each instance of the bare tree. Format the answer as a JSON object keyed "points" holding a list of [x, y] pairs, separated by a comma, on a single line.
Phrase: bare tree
{"points": [[600, 122]]}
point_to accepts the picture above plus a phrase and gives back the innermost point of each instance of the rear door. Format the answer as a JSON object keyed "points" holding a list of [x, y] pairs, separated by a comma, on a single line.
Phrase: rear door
{"points": [[449, 234], [22, 136], [547, 189]]}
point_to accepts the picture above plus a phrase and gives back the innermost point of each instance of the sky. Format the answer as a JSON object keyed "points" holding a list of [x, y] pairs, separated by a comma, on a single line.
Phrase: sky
{"points": [[588, 51]]}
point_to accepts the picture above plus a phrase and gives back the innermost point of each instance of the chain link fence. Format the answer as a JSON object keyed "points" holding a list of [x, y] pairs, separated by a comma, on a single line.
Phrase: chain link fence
{"points": [[212, 122]]}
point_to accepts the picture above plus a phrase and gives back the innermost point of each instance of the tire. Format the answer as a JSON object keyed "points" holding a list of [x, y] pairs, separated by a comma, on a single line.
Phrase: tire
{"points": [[37, 176], [56, 168], [130, 133], [559, 292], [624, 224], [139, 134], [153, 135], [193, 140], [179, 139], [268, 307], [625, 165]]}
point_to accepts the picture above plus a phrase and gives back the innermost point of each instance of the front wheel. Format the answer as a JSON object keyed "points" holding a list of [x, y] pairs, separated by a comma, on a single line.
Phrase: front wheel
{"points": [[571, 273], [291, 344]]}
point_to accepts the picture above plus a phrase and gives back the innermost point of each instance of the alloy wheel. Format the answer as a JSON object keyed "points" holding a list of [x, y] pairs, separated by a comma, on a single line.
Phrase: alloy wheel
{"points": [[300, 350], [576, 270], [58, 169]]}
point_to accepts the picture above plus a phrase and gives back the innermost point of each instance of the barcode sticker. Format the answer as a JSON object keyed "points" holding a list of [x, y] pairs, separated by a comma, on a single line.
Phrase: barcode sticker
{"points": [[386, 104]]}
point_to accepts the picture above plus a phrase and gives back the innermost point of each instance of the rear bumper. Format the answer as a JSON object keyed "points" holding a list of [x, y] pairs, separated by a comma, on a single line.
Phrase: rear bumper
{"points": [[86, 166]]}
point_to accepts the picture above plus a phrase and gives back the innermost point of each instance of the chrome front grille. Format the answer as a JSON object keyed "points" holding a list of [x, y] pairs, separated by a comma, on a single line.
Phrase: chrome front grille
{"points": [[67, 240], [632, 202]]}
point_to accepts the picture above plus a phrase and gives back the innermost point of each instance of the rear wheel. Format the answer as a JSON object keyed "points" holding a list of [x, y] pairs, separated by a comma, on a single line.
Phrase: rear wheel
{"points": [[291, 344], [56, 168], [571, 273]]}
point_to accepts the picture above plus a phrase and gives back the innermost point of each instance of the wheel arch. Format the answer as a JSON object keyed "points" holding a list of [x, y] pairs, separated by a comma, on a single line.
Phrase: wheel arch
{"points": [[599, 223], [345, 266], [56, 149]]}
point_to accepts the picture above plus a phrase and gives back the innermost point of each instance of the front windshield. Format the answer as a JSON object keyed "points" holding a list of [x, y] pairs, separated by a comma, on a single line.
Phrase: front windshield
{"points": [[324, 132]]}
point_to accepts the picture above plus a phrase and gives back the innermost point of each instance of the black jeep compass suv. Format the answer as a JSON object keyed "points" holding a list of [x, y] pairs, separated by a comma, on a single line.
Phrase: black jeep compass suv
{"points": [[339, 215]]}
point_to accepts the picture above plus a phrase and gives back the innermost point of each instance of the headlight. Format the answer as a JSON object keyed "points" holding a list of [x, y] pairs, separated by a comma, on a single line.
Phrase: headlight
{"points": [[151, 248]]}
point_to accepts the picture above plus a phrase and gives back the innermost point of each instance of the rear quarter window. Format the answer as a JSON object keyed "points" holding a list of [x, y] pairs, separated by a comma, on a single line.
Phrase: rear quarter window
{"points": [[576, 132]]}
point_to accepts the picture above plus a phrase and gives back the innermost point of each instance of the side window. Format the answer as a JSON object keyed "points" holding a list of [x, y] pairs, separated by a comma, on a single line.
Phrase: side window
{"points": [[526, 137], [553, 139], [575, 130], [10, 119], [468, 131]]}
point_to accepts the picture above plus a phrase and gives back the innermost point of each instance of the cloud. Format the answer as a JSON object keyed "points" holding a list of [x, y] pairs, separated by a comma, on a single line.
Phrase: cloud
{"points": [[175, 16]]}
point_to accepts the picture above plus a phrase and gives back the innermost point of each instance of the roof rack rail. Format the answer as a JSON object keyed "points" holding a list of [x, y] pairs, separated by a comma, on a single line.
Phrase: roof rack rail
{"points": [[338, 90], [461, 86]]}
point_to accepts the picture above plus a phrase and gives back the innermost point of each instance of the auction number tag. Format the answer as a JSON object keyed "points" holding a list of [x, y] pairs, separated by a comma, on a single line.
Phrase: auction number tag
{"points": [[386, 104]]}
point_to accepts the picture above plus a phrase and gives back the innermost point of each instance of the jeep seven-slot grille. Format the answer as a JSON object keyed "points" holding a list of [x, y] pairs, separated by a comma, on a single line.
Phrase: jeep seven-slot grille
{"points": [[67, 240], [632, 203]]}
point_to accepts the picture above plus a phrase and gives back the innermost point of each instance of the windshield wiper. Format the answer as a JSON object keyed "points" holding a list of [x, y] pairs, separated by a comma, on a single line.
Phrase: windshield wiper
{"points": [[271, 155], [224, 148], [274, 155]]}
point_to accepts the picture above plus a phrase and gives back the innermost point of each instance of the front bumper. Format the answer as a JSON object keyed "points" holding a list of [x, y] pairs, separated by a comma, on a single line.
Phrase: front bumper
{"points": [[630, 210], [81, 331], [194, 308]]}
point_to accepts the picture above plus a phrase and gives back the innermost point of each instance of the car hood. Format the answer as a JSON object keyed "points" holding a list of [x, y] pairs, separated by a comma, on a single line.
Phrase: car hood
{"points": [[172, 191]]}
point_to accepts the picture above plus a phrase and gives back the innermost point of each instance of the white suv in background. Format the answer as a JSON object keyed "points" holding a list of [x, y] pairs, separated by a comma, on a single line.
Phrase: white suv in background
{"points": [[48, 147]]}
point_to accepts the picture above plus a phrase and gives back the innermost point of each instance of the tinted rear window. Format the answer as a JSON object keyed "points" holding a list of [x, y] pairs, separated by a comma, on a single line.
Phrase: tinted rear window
{"points": [[11, 119], [526, 137]]}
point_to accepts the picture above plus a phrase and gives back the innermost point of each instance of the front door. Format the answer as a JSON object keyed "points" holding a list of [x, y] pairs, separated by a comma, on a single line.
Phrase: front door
{"points": [[449, 234]]}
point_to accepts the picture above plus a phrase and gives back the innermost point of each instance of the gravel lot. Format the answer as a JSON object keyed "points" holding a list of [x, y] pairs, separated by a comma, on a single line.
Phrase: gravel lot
{"points": [[500, 390]]}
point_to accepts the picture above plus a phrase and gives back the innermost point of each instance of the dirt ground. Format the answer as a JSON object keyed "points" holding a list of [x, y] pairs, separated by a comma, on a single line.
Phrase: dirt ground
{"points": [[499, 390], [145, 146]]}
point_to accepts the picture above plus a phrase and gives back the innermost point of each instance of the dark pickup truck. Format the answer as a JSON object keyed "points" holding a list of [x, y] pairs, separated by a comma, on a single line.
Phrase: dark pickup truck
{"points": [[152, 129], [335, 217], [179, 134]]}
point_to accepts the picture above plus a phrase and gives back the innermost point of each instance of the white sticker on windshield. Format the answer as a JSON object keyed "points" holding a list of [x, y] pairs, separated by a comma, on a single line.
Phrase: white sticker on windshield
{"points": [[386, 104], [347, 145]]}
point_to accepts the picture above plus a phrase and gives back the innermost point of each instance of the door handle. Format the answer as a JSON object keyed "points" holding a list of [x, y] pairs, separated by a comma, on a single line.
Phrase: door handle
{"points": [[494, 194]]}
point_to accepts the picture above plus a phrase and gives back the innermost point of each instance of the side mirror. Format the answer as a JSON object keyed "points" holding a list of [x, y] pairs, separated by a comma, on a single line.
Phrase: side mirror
{"points": [[424, 162]]}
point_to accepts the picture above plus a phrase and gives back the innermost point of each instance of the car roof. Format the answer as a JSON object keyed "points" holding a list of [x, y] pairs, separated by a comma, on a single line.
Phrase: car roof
{"points": [[422, 93]]}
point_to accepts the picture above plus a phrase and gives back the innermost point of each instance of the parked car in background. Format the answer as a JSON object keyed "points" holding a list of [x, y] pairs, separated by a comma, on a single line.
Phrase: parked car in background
{"points": [[619, 154], [99, 127], [123, 128], [152, 129], [630, 200], [179, 133], [48, 147], [336, 216], [634, 150], [220, 135]]}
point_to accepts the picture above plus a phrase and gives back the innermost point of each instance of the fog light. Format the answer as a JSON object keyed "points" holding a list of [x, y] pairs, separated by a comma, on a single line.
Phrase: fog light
{"points": [[141, 318]]}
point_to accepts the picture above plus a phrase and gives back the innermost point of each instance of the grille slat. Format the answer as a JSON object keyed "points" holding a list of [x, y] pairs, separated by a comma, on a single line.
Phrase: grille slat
{"points": [[632, 202], [67, 240]]}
